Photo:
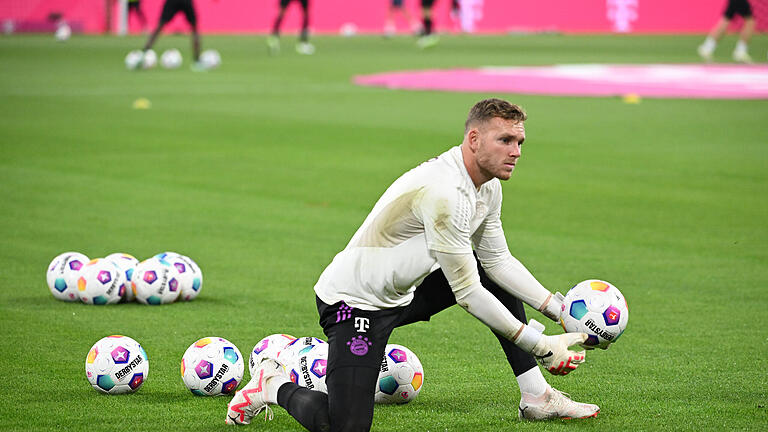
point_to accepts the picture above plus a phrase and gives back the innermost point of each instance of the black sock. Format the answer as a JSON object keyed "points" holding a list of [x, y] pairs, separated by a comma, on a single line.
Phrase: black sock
{"points": [[308, 407], [427, 26]]}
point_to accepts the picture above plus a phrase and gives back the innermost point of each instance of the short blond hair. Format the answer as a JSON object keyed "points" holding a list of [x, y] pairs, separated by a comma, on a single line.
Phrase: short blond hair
{"points": [[487, 109]]}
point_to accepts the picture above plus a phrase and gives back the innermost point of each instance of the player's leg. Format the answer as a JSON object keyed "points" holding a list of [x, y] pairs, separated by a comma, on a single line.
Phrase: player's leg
{"points": [[740, 53], [707, 49], [356, 343], [191, 15], [538, 399], [279, 18], [273, 40], [170, 7], [304, 47], [427, 39]]}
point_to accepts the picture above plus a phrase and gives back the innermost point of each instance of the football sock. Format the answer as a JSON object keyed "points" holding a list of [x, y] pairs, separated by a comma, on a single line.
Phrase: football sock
{"points": [[273, 385], [308, 407], [741, 46], [427, 26], [709, 44], [532, 382]]}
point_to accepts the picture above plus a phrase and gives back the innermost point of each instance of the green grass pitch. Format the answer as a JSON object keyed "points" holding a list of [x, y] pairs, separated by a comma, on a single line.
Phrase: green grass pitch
{"points": [[263, 169]]}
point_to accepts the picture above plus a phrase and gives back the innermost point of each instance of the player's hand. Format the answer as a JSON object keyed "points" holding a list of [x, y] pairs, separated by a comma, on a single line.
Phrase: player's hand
{"points": [[554, 354]]}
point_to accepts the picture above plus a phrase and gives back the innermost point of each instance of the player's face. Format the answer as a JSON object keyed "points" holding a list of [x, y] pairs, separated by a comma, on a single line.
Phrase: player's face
{"points": [[498, 147]]}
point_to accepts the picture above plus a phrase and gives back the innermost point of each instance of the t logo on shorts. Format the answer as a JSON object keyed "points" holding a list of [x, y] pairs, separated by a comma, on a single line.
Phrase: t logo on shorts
{"points": [[361, 324]]}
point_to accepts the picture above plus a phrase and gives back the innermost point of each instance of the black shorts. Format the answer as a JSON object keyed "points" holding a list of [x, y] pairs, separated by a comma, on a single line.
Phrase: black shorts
{"points": [[397, 4], [358, 338], [427, 4], [172, 7], [738, 7], [304, 3]]}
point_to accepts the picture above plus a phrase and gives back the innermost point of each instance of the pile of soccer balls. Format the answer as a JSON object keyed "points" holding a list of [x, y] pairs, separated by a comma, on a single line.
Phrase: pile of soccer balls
{"points": [[213, 366], [401, 376], [120, 277], [169, 59]]}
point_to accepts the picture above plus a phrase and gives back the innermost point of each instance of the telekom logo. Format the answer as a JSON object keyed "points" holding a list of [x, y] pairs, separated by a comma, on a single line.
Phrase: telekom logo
{"points": [[621, 13]]}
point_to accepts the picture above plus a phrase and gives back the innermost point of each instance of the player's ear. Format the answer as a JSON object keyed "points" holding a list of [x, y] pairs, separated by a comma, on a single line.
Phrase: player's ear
{"points": [[473, 137]]}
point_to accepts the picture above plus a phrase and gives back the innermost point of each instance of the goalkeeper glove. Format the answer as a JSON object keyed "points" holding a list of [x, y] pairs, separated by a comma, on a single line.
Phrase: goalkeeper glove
{"points": [[553, 353]]}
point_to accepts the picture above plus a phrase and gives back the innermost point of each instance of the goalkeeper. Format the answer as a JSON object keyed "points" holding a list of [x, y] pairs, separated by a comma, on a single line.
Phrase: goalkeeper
{"points": [[433, 240]]}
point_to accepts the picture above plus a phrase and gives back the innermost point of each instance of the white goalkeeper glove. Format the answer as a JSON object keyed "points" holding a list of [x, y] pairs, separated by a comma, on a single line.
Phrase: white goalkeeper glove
{"points": [[552, 307], [552, 351]]}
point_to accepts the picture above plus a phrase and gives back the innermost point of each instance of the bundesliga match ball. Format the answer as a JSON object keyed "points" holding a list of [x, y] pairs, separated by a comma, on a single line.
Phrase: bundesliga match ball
{"points": [[212, 366], [171, 59], [127, 264], [210, 59], [597, 308], [150, 59], [63, 273], [155, 281], [308, 363], [269, 347], [101, 282], [292, 349], [133, 59], [190, 275], [401, 376], [116, 364]]}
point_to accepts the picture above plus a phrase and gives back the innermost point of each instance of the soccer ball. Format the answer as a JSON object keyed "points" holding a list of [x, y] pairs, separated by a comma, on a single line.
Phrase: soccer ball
{"points": [[212, 366], [210, 59], [116, 364], [127, 264], [308, 364], [597, 308], [269, 347], [293, 348], [133, 59], [190, 275], [63, 273], [155, 281], [150, 59], [401, 376], [63, 32], [171, 59], [101, 282]]}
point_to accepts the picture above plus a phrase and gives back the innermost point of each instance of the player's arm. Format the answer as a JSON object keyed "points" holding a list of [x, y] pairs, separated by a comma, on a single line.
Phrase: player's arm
{"points": [[551, 351], [509, 273]]}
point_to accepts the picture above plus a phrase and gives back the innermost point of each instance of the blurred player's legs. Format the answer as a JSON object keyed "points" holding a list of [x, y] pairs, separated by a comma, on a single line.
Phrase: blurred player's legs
{"points": [[134, 6], [396, 7], [740, 54], [170, 9], [303, 47], [427, 39]]}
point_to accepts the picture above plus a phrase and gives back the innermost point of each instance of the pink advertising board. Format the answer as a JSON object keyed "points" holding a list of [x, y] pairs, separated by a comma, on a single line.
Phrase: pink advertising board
{"points": [[367, 16]]}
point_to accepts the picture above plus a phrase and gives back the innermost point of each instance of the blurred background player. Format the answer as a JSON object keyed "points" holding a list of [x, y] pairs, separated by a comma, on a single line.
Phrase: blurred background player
{"points": [[427, 39], [134, 7], [396, 7], [170, 9], [303, 47], [733, 8]]}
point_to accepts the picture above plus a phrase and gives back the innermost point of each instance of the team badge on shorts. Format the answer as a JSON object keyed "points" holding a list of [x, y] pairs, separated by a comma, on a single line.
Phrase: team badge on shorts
{"points": [[359, 345]]}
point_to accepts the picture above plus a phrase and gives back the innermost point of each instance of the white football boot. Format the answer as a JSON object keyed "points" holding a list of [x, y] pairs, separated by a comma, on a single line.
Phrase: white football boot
{"points": [[742, 57], [554, 404], [255, 397], [706, 53]]}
